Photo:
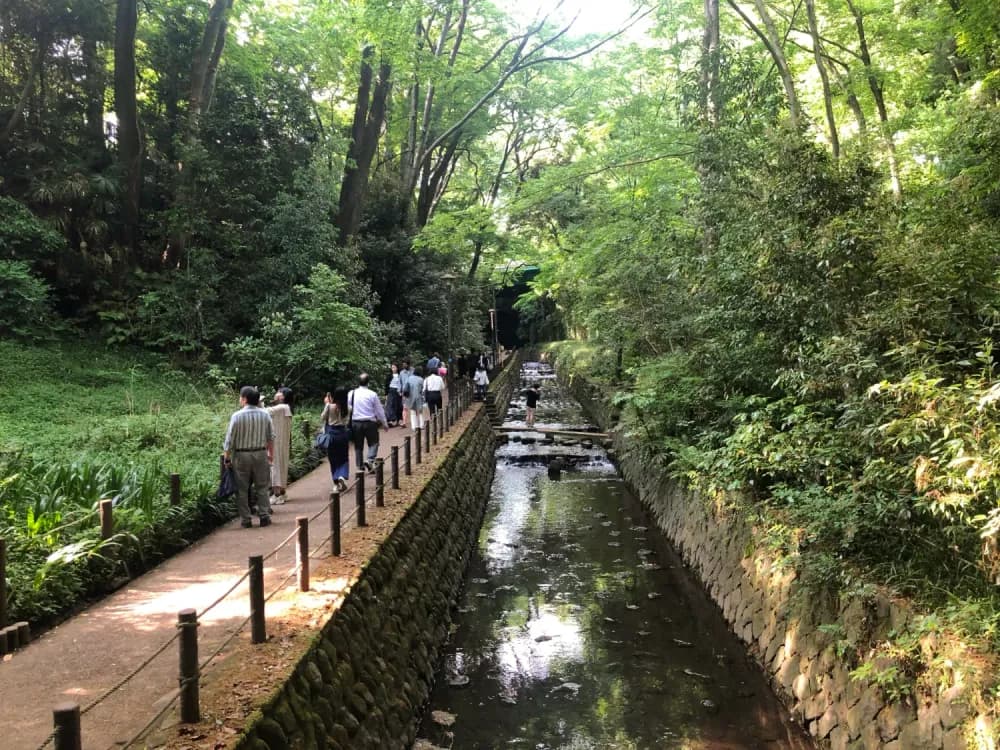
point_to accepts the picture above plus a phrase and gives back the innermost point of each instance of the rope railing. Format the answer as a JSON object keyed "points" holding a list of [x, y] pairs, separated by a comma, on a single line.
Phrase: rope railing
{"points": [[188, 620]]}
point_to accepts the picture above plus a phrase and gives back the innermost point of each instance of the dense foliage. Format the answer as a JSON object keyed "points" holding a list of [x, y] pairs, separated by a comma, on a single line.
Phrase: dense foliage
{"points": [[776, 221]]}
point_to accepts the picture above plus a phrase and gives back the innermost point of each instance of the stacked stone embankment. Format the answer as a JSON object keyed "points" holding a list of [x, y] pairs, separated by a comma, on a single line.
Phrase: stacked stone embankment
{"points": [[370, 669], [780, 621]]}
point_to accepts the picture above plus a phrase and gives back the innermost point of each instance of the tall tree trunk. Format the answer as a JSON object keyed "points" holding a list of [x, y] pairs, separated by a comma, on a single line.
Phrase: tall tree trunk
{"points": [[775, 48], [434, 176], [126, 110], [94, 85], [879, 96], [711, 94], [206, 59], [204, 69], [369, 116], [29, 84], [831, 120]]}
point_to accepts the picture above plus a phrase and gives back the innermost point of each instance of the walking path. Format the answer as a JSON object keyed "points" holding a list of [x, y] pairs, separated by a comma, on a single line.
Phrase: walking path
{"points": [[89, 654]]}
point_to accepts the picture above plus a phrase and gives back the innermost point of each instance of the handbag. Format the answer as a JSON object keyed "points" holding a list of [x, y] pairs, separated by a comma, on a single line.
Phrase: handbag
{"points": [[322, 440], [227, 480]]}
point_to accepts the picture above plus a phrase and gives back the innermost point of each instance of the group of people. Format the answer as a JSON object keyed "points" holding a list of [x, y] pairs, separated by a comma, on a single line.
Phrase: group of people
{"points": [[258, 439]]}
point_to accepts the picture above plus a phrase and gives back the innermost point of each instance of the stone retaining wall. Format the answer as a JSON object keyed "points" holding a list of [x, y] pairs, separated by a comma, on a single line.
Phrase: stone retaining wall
{"points": [[364, 680], [502, 388], [767, 609]]}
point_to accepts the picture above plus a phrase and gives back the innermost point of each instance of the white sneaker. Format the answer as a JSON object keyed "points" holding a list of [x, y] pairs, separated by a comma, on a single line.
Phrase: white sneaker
{"points": [[277, 499]]}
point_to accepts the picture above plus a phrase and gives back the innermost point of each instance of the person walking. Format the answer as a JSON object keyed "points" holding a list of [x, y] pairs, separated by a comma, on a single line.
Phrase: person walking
{"points": [[481, 379], [367, 415], [336, 419], [433, 363], [414, 391], [249, 449], [531, 396], [393, 401], [281, 418], [433, 385], [404, 374]]}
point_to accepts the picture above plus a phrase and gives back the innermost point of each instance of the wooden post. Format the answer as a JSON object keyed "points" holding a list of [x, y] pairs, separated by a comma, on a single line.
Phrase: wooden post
{"points": [[379, 483], [420, 445], [175, 489], [359, 498], [307, 430], [3, 583], [258, 623], [23, 633], [66, 727], [427, 439], [302, 551], [12, 639], [4, 649], [394, 466], [187, 621], [434, 427], [107, 518], [407, 464], [335, 523]]}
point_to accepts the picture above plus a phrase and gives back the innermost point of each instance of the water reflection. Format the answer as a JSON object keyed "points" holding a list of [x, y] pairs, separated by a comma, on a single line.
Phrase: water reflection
{"points": [[579, 628]]}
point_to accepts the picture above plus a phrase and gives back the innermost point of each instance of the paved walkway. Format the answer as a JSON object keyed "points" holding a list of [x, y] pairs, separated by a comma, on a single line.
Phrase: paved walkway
{"points": [[90, 653]]}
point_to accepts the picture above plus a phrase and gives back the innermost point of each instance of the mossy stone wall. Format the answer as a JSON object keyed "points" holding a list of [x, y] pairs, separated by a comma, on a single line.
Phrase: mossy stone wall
{"points": [[779, 621]]}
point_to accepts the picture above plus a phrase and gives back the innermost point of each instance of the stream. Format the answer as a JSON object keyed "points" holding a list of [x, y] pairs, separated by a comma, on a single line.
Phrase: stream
{"points": [[579, 626]]}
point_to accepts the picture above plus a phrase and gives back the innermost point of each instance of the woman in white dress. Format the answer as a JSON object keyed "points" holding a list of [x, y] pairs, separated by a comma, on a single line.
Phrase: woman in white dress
{"points": [[281, 417]]}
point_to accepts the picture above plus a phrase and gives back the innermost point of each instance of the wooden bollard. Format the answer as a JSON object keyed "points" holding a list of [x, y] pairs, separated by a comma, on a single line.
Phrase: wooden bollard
{"points": [[434, 427], [3, 642], [394, 466], [427, 440], [306, 430], [23, 633], [379, 483], [420, 445], [258, 622], [107, 518], [175, 489], [407, 464], [187, 621], [335, 523], [13, 640], [3, 583], [66, 727], [359, 498], [302, 551]]}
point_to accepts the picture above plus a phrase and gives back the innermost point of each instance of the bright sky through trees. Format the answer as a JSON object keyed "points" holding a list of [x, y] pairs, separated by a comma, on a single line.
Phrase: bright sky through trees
{"points": [[593, 16]]}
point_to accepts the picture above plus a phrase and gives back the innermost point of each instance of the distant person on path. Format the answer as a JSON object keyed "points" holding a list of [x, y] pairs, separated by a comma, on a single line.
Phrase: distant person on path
{"points": [[405, 372], [281, 418], [393, 401], [433, 385], [367, 415], [414, 391], [336, 418], [481, 379], [531, 397], [249, 448], [433, 363]]}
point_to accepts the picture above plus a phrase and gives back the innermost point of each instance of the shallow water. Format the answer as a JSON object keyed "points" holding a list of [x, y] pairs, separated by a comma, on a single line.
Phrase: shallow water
{"points": [[580, 628]]}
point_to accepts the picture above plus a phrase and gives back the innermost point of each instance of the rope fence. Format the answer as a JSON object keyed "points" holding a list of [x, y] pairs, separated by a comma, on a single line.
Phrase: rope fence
{"points": [[66, 717]]}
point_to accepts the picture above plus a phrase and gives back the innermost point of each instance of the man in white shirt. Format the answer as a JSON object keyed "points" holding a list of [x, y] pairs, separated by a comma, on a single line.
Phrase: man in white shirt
{"points": [[433, 385], [367, 415]]}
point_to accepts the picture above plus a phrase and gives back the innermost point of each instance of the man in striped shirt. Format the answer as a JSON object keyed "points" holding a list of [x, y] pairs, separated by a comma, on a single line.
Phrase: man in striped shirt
{"points": [[249, 448]]}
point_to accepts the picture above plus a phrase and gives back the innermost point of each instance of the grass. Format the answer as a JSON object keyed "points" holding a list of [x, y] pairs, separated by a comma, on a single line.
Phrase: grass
{"points": [[84, 422], [83, 402]]}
